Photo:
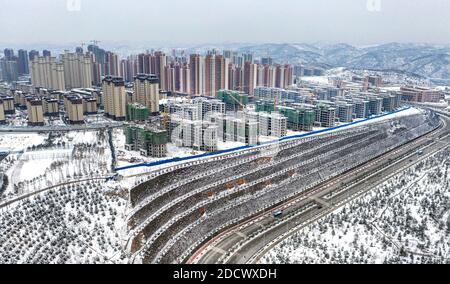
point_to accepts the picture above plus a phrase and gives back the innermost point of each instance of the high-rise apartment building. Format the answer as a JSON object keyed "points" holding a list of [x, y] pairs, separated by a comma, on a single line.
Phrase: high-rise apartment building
{"points": [[325, 115], [8, 54], [79, 50], [266, 61], [77, 70], [242, 130], [210, 76], [22, 62], [114, 97], [250, 77], [47, 73], [248, 57], [111, 64], [146, 91], [170, 78], [221, 72], [344, 111], [10, 71], [50, 106], [128, 69], [272, 124], [158, 66], [235, 77], [74, 109], [196, 63], [32, 54], [2, 112], [196, 134], [284, 76], [288, 76], [99, 57], [35, 111], [149, 142], [8, 104], [46, 53], [89, 105]]}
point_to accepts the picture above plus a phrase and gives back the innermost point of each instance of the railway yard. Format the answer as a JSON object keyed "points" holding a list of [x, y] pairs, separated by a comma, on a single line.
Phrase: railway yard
{"points": [[221, 211], [248, 242]]}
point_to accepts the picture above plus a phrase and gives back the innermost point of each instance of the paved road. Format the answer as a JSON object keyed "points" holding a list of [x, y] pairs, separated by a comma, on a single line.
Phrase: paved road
{"points": [[46, 129], [313, 205]]}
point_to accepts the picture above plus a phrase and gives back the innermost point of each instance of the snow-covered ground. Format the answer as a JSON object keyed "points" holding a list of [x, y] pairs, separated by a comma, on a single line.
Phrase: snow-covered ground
{"points": [[231, 145], [75, 222], [80, 223], [390, 78], [322, 80], [404, 220], [19, 142], [48, 160]]}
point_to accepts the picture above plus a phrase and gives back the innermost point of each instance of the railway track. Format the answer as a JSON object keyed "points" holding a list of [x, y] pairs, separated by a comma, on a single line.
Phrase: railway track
{"points": [[207, 253]]}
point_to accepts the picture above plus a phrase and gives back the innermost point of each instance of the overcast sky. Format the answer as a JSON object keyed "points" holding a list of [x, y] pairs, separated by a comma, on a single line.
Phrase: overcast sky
{"points": [[218, 21]]}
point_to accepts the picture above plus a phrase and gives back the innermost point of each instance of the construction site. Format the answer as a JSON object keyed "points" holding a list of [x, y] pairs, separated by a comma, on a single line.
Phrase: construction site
{"points": [[175, 210]]}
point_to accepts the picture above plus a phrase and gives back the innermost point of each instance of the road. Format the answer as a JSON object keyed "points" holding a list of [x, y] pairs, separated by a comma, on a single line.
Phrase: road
{"points": [[27, 195], [69, 128], [246, 242]]}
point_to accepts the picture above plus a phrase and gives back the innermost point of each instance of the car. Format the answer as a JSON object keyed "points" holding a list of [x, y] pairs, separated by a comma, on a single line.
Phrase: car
{"points": [[278, 214]]}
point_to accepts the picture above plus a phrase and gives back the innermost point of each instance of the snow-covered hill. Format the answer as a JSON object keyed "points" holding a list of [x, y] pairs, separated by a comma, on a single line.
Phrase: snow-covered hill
{"points": [[426, 60]]}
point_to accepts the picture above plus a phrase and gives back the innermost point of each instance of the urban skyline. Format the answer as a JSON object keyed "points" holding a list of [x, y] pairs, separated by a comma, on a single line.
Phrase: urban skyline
{"points": [[179, 72]]}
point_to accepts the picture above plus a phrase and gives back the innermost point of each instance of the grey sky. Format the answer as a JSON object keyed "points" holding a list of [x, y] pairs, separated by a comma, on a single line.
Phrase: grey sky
{"points": [[218, 21]]}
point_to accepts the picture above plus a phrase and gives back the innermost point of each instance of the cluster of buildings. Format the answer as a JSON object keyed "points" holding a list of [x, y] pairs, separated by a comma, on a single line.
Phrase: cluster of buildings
{"points": [[202, 123], [196, 74], [189, 122], [306, 108], [421, 95], [13, 66], [6, 107], [213, 98], [74, 105], [192, 74], [136, 104], [149, 141]]}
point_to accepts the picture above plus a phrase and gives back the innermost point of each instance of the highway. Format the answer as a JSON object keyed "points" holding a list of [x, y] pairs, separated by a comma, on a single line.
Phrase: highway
{"points": [[248, 241]]}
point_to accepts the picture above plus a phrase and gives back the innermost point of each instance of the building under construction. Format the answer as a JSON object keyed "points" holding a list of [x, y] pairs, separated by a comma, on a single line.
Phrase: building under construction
{"points": [[149, 142], [196, 134], [298, 118], [137, 112], [241, 128], [233, 100]]}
